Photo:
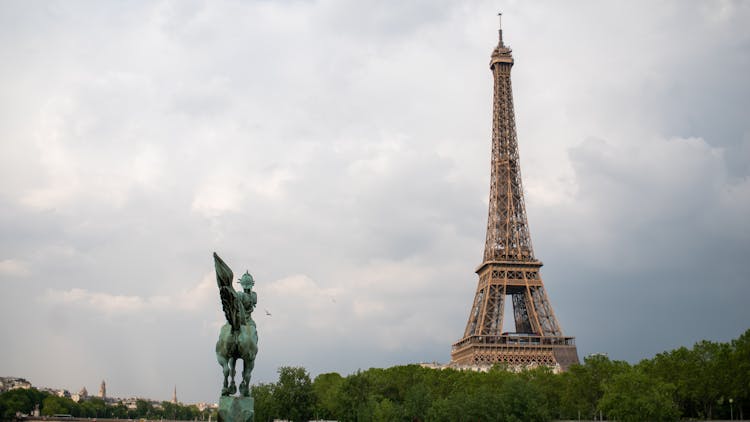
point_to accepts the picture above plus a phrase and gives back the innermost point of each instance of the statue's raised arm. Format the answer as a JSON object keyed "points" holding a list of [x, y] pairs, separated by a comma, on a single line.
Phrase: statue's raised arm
{"points": [[229, 302]]}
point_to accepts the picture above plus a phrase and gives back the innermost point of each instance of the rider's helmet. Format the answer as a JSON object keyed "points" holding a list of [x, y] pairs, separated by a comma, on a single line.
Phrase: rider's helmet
{"points": [[247, 280]]}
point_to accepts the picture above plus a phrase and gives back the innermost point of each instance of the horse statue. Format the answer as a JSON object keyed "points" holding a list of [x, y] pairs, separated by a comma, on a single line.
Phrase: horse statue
{"points": [[238, 338]]}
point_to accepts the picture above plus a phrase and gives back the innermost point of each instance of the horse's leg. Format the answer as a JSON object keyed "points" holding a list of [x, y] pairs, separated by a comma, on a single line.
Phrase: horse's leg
{"points": [[225, 369], [247, 368], [232, 364]]}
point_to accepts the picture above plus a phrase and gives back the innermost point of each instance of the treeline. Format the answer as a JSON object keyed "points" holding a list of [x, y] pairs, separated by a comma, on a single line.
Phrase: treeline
{"points": [[24, 401], [708, 381]]}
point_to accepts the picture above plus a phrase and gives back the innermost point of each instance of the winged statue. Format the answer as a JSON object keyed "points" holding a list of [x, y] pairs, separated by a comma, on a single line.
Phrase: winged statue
{"points": [[238, 338]]}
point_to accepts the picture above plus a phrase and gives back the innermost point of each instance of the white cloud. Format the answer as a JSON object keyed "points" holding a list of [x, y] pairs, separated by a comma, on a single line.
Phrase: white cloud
{"points": [[14, 268], [189, 300], [212, 200], [148, 166]]}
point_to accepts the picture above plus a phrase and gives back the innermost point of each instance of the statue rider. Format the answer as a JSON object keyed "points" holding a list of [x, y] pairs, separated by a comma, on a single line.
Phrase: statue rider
{"points": [[248, 298]]}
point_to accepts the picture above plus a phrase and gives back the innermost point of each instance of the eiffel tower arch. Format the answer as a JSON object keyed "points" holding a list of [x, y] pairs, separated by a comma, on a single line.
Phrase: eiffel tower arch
{"points": [[509, 268]]}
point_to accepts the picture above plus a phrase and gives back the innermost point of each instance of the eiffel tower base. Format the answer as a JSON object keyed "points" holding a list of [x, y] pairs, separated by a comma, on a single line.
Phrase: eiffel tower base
{"points": [[515, 352], [236, 409]]}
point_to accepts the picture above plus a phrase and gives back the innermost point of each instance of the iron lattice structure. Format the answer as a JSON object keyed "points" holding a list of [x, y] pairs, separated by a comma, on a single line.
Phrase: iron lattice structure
{"points": [[509, 267]]}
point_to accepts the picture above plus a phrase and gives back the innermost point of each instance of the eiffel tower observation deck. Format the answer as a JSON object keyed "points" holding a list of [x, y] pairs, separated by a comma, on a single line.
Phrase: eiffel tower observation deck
{"points": [[509, 267]]}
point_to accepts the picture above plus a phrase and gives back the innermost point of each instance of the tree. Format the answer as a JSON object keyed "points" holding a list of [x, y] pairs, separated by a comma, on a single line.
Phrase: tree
{"points": [[679, 368], [326, 388], [703, 376], [550, 386], [740, 373], [354, 397], [633, 396], [20, 400], [265, 406], [417, 402], [54, 405], [143, 409], [584, 384], [93, 408], [483, 404], [294, 394], [118, 411], [386, 411], [523, 401]]}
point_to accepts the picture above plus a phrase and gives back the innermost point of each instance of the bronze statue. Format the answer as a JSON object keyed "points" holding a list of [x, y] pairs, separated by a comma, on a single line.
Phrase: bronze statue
{"points": [[238, 338]]}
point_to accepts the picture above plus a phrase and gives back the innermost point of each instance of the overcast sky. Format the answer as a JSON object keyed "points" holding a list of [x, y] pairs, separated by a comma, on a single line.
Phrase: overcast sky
{"points": [[340, 152]]}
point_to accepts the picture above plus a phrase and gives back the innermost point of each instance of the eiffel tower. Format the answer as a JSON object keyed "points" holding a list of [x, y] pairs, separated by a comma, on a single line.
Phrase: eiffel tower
{"points": [[509, 267]]}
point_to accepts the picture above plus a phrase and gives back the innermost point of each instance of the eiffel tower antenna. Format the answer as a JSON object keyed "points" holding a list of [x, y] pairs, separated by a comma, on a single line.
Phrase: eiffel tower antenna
{"points": [[509, 267], [500, 27]]}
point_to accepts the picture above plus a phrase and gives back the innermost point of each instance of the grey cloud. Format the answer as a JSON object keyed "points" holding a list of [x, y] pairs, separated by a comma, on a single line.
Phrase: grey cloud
{"points": [[347, 149]]}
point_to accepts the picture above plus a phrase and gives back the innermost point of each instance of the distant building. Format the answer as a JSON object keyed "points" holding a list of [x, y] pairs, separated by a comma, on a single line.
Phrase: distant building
{"points": [[10, 383], [203, 406], [82, 395], [130, 403], [56, 392], [432, 365]]}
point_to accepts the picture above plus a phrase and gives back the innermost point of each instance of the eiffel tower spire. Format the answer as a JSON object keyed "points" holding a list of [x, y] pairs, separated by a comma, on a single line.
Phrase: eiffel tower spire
{"points": [[509, 267]]}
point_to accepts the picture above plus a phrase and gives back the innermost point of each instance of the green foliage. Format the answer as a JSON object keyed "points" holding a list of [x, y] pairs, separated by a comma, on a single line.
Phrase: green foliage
{"points": [[550, 386], [417, 401], [386, 411], [20, 400], [25, 400], [693, 382], [327, 388], [583, 385], [739, 369], [294, 394], [524, 401], [54, 405], [354, 397], [93, 408], [265, 406], [118, 411], [706, 377], [142, 407], [633, 396]]}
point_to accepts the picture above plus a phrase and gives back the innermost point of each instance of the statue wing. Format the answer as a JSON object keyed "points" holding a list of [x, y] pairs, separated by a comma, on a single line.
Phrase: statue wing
{"points": [[229, 302]]}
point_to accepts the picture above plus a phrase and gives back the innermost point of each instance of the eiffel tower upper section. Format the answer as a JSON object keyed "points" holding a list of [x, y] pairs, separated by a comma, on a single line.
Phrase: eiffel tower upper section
{"points": [[508, 236]]}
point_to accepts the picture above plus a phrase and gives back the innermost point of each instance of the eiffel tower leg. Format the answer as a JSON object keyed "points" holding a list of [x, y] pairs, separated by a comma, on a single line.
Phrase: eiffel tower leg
{"points": [[533, 315], [471, 325], [544, 312], [493, 317], [521, 313]]}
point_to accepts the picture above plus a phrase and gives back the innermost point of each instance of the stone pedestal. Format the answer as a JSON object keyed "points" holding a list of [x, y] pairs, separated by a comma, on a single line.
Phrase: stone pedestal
{"points": [[236, 409]]}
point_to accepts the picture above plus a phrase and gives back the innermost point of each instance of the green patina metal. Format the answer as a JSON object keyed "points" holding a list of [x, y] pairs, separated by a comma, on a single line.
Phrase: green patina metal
{"points": [[238, 339], [236, 409]]}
